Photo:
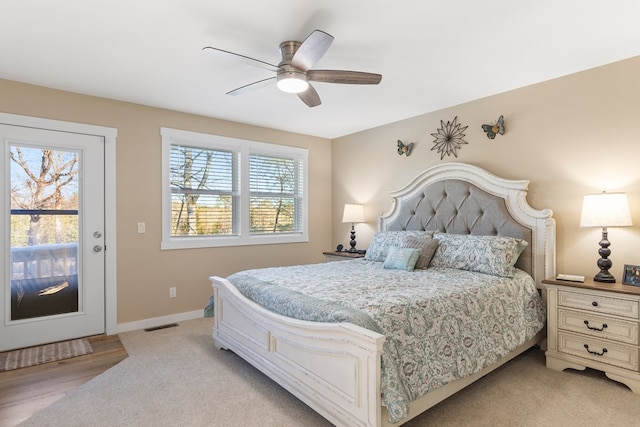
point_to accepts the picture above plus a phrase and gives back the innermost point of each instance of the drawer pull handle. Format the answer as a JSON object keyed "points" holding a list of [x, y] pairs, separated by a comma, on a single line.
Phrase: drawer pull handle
{"points": [[604, 350], [595, 303], [593, 328]]}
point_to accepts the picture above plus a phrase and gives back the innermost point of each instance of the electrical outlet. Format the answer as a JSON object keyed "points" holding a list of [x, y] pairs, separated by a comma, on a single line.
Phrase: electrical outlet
{"points": [[172, 292], [141, 227]]}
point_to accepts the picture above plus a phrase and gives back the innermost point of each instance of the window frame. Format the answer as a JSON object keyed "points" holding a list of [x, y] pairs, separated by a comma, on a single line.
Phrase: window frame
{"points": [[245, 148]]}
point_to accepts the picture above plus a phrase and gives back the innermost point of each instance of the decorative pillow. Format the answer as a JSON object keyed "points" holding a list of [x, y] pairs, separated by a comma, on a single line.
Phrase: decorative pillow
{"points": [[382, 241], [494, 255], [427, 249], [401, 258]]}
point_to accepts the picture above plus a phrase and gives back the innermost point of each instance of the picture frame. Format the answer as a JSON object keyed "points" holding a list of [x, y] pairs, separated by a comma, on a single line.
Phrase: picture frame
{"points": [[631, 275]]}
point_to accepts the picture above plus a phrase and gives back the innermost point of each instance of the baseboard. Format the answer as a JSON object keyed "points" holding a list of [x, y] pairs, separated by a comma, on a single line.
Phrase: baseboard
{"points": [[158, 321]]}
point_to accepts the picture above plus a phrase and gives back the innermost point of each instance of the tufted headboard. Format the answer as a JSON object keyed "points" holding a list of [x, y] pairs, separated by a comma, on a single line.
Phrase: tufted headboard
{"points": [[460, 198]]}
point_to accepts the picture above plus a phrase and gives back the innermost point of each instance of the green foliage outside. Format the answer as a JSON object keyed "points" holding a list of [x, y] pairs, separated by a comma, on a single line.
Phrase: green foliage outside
{"points": [[52, 229], [216, 220]]}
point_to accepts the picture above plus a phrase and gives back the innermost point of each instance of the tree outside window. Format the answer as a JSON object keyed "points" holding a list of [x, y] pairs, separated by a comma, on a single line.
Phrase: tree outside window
{"points": [[43, 185]]}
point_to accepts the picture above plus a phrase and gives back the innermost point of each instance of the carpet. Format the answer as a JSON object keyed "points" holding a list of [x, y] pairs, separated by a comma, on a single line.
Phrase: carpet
{"points": [[176, 377], [31, 356]]}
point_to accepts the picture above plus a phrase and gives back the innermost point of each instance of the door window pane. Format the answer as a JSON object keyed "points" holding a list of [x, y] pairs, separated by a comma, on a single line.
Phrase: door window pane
{"points": [[44, 232]]}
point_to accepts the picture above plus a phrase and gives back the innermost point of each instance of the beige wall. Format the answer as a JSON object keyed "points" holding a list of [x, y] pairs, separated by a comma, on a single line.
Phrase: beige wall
{"points": [[570, 136], [145, 273]]}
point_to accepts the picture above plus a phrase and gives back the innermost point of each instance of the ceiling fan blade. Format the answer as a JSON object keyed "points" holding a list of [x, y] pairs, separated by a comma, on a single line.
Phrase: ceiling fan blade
{"points": [[252, 86], [310, 97], [344, 77], [245, 59], [311, 50]]}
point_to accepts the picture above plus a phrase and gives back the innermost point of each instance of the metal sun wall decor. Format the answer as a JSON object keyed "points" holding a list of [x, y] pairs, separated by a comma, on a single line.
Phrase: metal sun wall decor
{"points": [[405, 148], [493, 130], [449, 138]]}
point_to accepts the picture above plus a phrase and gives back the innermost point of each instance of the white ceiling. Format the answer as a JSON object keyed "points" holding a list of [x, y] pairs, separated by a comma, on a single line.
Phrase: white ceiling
{"points": [[432, 54]]}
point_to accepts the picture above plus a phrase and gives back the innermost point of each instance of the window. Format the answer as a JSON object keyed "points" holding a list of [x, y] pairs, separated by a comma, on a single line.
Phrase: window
{"points": [[220, 191]]}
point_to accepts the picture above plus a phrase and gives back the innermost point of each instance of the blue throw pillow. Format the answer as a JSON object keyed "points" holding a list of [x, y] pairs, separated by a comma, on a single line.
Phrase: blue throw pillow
{"points": [[401, 258]]}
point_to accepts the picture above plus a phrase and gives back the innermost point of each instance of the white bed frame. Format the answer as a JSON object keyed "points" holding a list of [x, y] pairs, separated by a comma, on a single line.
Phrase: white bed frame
{"points": [[335, 367]]}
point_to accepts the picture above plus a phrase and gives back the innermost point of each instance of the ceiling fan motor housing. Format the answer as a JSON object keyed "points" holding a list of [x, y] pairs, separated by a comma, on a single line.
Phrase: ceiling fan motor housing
{"points": [[290, 79]]}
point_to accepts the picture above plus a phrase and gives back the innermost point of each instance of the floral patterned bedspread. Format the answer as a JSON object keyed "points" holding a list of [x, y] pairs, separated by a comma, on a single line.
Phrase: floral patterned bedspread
{"points": [[440, 324]]}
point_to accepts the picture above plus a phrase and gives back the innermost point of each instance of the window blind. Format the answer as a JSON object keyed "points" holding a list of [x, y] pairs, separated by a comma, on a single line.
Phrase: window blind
{"points": [[275, 194], [204, 192]]}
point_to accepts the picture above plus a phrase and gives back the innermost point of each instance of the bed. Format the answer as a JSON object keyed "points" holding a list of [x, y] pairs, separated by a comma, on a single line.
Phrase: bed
{"points": [[341, 359]]}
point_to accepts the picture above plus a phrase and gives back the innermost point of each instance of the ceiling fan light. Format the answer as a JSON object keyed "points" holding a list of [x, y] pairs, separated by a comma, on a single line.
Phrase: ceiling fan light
{"points": [[293, 83]]}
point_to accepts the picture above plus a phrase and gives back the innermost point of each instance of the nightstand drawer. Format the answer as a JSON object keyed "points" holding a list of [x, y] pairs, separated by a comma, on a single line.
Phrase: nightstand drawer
{"points": [[594, 325], [601, 351], [600, 304]]}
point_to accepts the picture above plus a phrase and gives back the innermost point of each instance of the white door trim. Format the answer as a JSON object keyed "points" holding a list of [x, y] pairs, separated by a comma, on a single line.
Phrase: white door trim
{"points": [[110, 135]]}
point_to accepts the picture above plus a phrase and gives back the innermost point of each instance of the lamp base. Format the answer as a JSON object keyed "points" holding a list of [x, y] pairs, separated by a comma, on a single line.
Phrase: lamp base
{"points": [[604, 263], [604, 277], [352, 242]]}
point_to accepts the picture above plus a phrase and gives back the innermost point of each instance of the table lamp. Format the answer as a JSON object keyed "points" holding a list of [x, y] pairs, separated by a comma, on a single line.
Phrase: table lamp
{"points": [[605, 210], [353, 213]]}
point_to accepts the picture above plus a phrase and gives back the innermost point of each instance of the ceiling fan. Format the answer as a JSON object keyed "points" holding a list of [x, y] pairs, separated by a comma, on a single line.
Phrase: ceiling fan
{"points": [[294, 72]]}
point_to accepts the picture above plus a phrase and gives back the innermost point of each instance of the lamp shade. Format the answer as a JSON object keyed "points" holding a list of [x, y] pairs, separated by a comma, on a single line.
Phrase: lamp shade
{"points": [[353, 213], [605, 210]]}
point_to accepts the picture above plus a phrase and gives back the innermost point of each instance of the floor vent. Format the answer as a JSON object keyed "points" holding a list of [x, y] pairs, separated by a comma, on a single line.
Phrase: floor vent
{"points": [[156, 328]]}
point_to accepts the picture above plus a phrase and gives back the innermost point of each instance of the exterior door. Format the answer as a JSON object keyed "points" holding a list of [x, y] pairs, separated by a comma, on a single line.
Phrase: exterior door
{"points": [[52, 253]]}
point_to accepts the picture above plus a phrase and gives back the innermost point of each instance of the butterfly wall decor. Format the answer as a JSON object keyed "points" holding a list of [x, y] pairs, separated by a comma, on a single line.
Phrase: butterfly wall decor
{"points": [[493, 130], [404, 149]]}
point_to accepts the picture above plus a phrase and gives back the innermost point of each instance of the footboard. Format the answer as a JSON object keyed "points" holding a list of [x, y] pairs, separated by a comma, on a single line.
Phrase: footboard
{"points": [[332, 367]]}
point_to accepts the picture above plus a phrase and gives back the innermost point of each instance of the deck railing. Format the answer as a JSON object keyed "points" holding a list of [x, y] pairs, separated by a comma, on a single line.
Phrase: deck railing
{"points": [[40, 261]]}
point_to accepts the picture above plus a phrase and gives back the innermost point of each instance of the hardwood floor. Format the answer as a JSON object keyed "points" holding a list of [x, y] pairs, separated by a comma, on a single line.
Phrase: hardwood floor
{"points": [[25, 391]]}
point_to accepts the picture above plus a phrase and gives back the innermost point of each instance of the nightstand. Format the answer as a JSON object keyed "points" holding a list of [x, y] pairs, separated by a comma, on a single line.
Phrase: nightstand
{"points": [[341, 256], [594, 325]]}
